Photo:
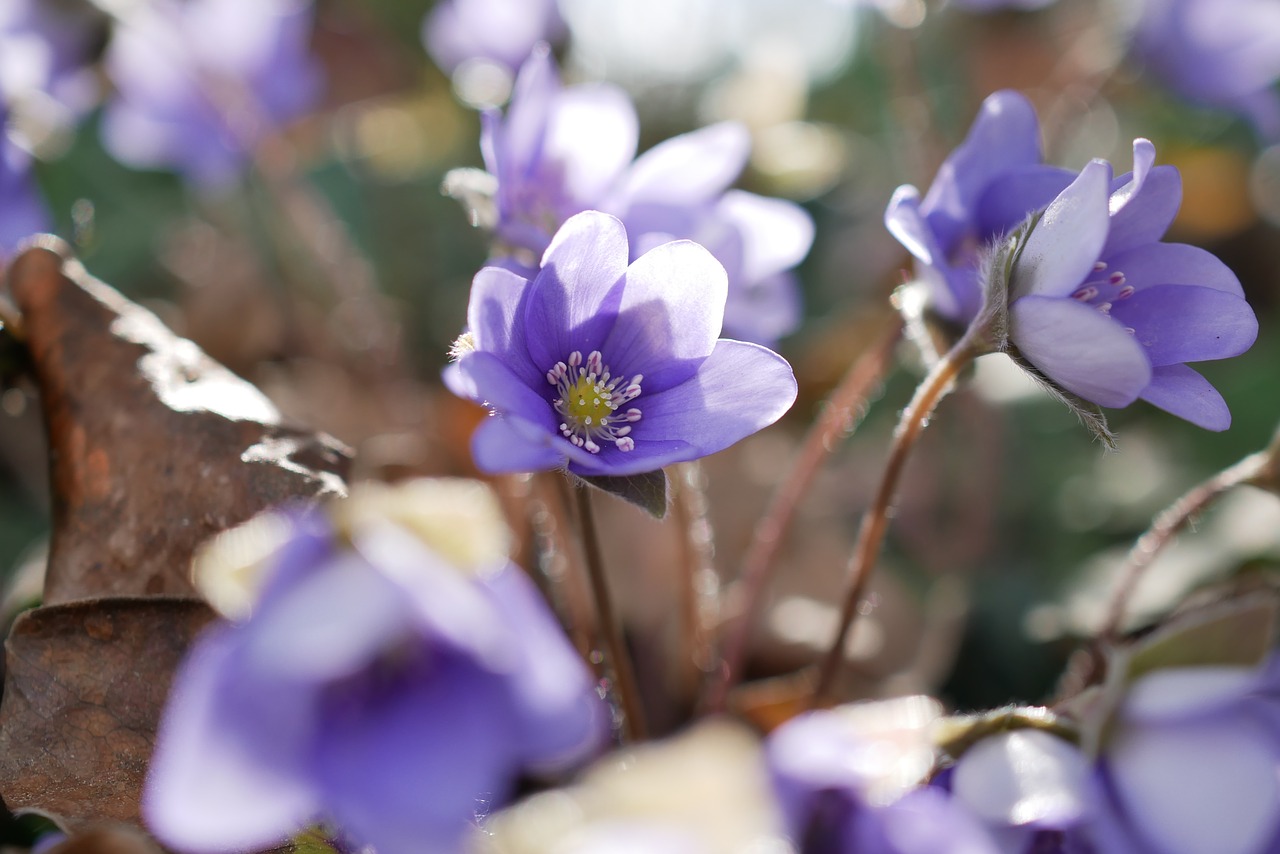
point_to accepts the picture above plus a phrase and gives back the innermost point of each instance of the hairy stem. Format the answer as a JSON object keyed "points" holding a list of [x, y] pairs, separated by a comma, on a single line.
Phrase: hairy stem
{"points": [[839, 418], [610, 629], [1166, 526], [876, 520]]}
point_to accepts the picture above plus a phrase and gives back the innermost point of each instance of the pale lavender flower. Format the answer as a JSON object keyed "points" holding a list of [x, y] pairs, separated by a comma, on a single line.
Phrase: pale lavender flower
{"points": [[984, 189], [21, 211], [559, 151], [1223, 53], [851, 781], [44, 51], [610, 369], [1192, 764], [498, 31], [199, 83], [382, 685], [1106, 311]]}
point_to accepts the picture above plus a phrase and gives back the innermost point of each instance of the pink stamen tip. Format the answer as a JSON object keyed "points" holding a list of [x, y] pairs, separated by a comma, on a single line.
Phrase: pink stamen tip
{"points": [[1125, 292], [1099, 266], [1085, 294], [625, 443], [1116, 278]]}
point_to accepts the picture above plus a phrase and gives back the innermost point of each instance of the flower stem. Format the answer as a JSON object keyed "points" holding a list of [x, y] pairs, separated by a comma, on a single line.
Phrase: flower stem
{"points": [[1166, 526], [839, 418], [876, 520], [699, 584], [611, 630]]}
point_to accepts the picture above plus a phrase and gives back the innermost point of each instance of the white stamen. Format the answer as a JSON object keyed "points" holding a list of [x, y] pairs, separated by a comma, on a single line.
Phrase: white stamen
{"points": [[589, 401]]}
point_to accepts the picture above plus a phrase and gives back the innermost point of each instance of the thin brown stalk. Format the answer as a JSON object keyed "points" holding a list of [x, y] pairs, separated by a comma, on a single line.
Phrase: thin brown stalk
{"points": [[628, 692], [1166, 526], [839, 417], [876, 520]]}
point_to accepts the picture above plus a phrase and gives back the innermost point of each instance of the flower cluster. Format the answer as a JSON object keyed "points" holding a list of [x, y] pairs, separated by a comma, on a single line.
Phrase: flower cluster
{"points": [[393, 675], [609, 368], [559, 151], [1086, 293], [199, 84]]}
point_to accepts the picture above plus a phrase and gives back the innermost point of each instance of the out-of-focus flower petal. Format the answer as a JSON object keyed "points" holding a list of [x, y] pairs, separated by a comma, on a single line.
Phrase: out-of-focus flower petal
{"points": [[1024, 777], [689, 169], [1081, 349], [229, 769]]}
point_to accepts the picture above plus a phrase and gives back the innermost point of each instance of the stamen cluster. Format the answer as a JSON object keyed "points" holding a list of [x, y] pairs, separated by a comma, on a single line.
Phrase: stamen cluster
{"points": [[588, 398]]}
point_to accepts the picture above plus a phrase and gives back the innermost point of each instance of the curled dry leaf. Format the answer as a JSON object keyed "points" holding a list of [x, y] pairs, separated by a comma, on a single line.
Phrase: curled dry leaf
{"points": [[154, 446], [84, 686]]}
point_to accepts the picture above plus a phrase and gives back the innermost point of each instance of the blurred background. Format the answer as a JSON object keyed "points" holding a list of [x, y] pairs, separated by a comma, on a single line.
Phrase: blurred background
{"points": [[322, 262]]}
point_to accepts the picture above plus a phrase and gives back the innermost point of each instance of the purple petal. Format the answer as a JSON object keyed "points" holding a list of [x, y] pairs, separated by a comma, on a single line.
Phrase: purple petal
{"points": [[1014, 195], [764, 311], [495, 317], [1181, 391], [498, 386], [1080, 349], [671, 312], [1174, 264], [776, 234], [407, 768], [690, 169], [1005, 135], [509, 444], [561, 718], [229, 770], [1143, 211], [1025, 777], [1185, 323], [952, 294], [331, 623], [929, 821], [1207, 788], [648, 455], [518, 142], [739, 389], [593, 132], [1176, 693], [1065, 244], [572, 303], [904, 221]]}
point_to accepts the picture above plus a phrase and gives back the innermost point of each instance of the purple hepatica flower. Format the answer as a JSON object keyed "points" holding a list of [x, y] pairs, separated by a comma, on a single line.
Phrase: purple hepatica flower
{"points": [[1031, 789], [199, 83], [611, 369], [850, 781], [984, 189], [504, 32], [1192, 765], [21, 212], [378, 686], [1106, 311], [560, 151], [1223, 53], [44, 48]]}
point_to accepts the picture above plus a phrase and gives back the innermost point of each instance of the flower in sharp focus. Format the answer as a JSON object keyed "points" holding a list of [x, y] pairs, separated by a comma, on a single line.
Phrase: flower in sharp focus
{"points": [[608, 368], [1223, 53], [559, 151], [1105, 310], [395, 676], [1192, 763], [503, 32], [985, 188], [21, 211], [200, 83], [851, 780]]}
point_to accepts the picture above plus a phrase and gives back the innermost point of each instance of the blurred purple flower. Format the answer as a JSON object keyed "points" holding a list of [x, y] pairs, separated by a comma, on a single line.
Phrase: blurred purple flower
{"points": [[44, 48], [1192, 765], [559, 151], [1108, 312], [21, 211], [377, 686], [1032, 790], [200, 83], [849, 788], [1223, 53], [611, 369], [499, 31], [986, 187]]}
